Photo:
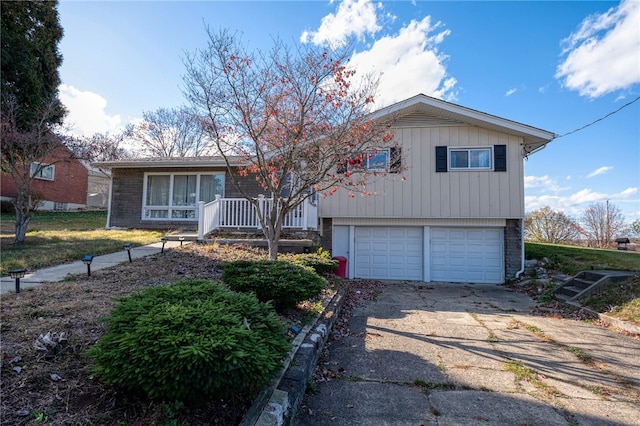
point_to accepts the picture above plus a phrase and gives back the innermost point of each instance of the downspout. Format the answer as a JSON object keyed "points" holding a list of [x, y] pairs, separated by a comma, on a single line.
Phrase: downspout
{"points": [[522, 255], [540, 148]]}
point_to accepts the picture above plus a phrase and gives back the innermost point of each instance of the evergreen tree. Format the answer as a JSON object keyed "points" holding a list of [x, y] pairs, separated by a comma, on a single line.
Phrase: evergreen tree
{"points": [[30, 60], [29, 94]]}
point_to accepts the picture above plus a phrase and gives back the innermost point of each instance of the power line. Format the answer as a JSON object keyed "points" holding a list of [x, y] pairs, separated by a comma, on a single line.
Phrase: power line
{"points": [[599, 119]]}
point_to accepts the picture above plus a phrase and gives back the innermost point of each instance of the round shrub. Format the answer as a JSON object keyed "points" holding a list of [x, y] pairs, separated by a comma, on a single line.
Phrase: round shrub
{"points": [[320, 264], [282, 283], [190, 341]]}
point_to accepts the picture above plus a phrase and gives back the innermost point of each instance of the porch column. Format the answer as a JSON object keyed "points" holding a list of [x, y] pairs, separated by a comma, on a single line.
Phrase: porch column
{"points": [[260, 212], [305, 214], [200, 220]]}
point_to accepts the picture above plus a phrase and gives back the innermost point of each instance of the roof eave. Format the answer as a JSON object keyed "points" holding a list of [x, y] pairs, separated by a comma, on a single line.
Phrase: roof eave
{"points": [[168, 162], [533, 138]]}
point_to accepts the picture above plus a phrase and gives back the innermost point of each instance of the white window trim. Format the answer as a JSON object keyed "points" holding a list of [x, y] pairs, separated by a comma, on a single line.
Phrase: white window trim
{"points": [[42, 167], [170, 208], [376, 151], [364, 165], [470, 148]]}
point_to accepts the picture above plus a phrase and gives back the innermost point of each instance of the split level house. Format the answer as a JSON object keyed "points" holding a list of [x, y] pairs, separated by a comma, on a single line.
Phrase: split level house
{"points": [[453, 213]]}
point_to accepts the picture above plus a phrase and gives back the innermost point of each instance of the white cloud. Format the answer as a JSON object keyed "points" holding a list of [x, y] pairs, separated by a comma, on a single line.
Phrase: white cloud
{"points": [[353, 18], [599, 171], [511, 92], [543, 182], [408, 63], [86, 112], [575, 203], [603, 54]]}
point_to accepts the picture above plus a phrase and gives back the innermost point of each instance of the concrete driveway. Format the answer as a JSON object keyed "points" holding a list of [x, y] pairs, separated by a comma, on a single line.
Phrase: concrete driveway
{"points": [[458, 354]]}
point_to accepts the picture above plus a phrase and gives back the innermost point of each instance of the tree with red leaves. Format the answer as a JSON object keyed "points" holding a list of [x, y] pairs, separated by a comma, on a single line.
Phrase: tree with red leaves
{"points": [[295, 118]]}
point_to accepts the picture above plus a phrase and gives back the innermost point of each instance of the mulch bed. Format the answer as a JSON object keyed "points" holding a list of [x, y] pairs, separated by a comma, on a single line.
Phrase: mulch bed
{"points": [[55, 386]]}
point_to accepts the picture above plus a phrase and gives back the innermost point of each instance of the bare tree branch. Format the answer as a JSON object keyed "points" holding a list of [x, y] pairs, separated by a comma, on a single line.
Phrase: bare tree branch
{"points": [[287, 117]]}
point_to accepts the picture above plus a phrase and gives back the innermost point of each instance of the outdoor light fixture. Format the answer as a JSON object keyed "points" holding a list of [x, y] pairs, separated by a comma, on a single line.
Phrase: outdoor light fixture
{"points": [[17, 274], [164, 241], [127, 247], [87, 261], [181, 239]]}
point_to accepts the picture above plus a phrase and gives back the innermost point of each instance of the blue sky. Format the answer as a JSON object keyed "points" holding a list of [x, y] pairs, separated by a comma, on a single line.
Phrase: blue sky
{"points": [[553, 65]]}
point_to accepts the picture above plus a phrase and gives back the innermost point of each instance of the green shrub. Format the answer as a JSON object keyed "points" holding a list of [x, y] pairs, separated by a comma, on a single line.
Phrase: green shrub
{"points": [[190, 341], [319, 263], [281, 282]]}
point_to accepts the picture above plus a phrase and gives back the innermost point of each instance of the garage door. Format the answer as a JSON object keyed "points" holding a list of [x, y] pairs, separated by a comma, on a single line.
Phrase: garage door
{"points": [[467, 255], [388, 253]]}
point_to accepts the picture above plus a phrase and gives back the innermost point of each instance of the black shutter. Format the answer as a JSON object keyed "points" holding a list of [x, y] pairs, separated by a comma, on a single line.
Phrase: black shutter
{"points": [[441, 158], [500, 158], [341, 168], [395, 162]]}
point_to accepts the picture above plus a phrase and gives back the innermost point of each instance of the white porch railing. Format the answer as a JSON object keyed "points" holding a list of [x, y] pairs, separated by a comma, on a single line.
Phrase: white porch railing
{"points": [[240, 213]]}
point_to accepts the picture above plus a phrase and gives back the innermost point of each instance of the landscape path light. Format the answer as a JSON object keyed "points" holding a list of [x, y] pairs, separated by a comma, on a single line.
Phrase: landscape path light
{"points": [[17, 274], [87, 261], [164, 241], [127, 247], [181, 239]]}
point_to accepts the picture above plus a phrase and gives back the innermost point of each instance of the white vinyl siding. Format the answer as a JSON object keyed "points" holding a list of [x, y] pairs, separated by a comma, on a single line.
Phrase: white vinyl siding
{"points": [[419, 192]]}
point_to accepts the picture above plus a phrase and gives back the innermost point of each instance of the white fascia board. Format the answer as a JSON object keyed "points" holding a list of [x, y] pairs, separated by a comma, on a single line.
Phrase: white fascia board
{"points": [[532, 136]]}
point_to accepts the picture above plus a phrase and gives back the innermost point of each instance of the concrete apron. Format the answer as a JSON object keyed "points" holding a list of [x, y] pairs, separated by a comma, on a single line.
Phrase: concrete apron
{"points": [[458, 354]]}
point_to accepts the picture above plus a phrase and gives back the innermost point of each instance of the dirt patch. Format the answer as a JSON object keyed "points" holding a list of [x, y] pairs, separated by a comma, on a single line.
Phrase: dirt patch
{"points": [[54, 385]]}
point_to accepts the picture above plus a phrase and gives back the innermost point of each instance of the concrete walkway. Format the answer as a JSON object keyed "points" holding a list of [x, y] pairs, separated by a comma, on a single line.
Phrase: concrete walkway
{"points": [[60, 272], [457, 354]]}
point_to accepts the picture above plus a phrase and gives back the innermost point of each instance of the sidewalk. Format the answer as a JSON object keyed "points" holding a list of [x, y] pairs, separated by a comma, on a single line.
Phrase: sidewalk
{"points": [[60, 272]]}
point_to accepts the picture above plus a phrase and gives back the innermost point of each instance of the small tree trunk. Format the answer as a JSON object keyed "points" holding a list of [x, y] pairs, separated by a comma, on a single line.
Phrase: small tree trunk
{"points": [[273, 249], [22, 222]]}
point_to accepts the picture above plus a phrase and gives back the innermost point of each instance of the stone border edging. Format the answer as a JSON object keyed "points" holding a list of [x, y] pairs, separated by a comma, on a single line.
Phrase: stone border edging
{"points": [[279, 402], [615, 322]]}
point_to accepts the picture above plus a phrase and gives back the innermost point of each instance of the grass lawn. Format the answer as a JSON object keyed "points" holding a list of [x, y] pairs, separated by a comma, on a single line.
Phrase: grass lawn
{"points": [[571, 260], [620, 300], [59, 237]]}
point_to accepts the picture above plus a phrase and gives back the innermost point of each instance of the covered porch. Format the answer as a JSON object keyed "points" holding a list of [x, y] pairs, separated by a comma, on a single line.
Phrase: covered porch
{"points": [[240, 213]]}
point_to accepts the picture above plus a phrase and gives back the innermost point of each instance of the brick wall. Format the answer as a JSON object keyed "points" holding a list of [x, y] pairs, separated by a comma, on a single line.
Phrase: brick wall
{"points": [[69, 184], [513, 247], [127, 191], [326, 240]]}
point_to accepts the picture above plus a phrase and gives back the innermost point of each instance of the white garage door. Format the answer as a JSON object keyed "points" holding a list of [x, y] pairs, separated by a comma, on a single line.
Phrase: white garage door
{"points": [[467, 255], [388, 253]]}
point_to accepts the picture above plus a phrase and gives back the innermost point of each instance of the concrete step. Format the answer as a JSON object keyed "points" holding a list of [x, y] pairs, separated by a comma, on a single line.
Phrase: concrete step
{"points": [[582, 283], [569, 290]]}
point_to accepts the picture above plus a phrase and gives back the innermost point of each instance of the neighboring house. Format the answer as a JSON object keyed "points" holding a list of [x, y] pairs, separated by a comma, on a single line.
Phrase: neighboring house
{"points": [[454, 212], [64, 183]]}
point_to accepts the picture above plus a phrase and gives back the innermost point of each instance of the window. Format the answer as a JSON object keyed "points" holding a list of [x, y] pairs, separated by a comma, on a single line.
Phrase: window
{"points": [[176, 195], [384, 160], [42, 171], [470, 158], [485, 158], [376, 160]]}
